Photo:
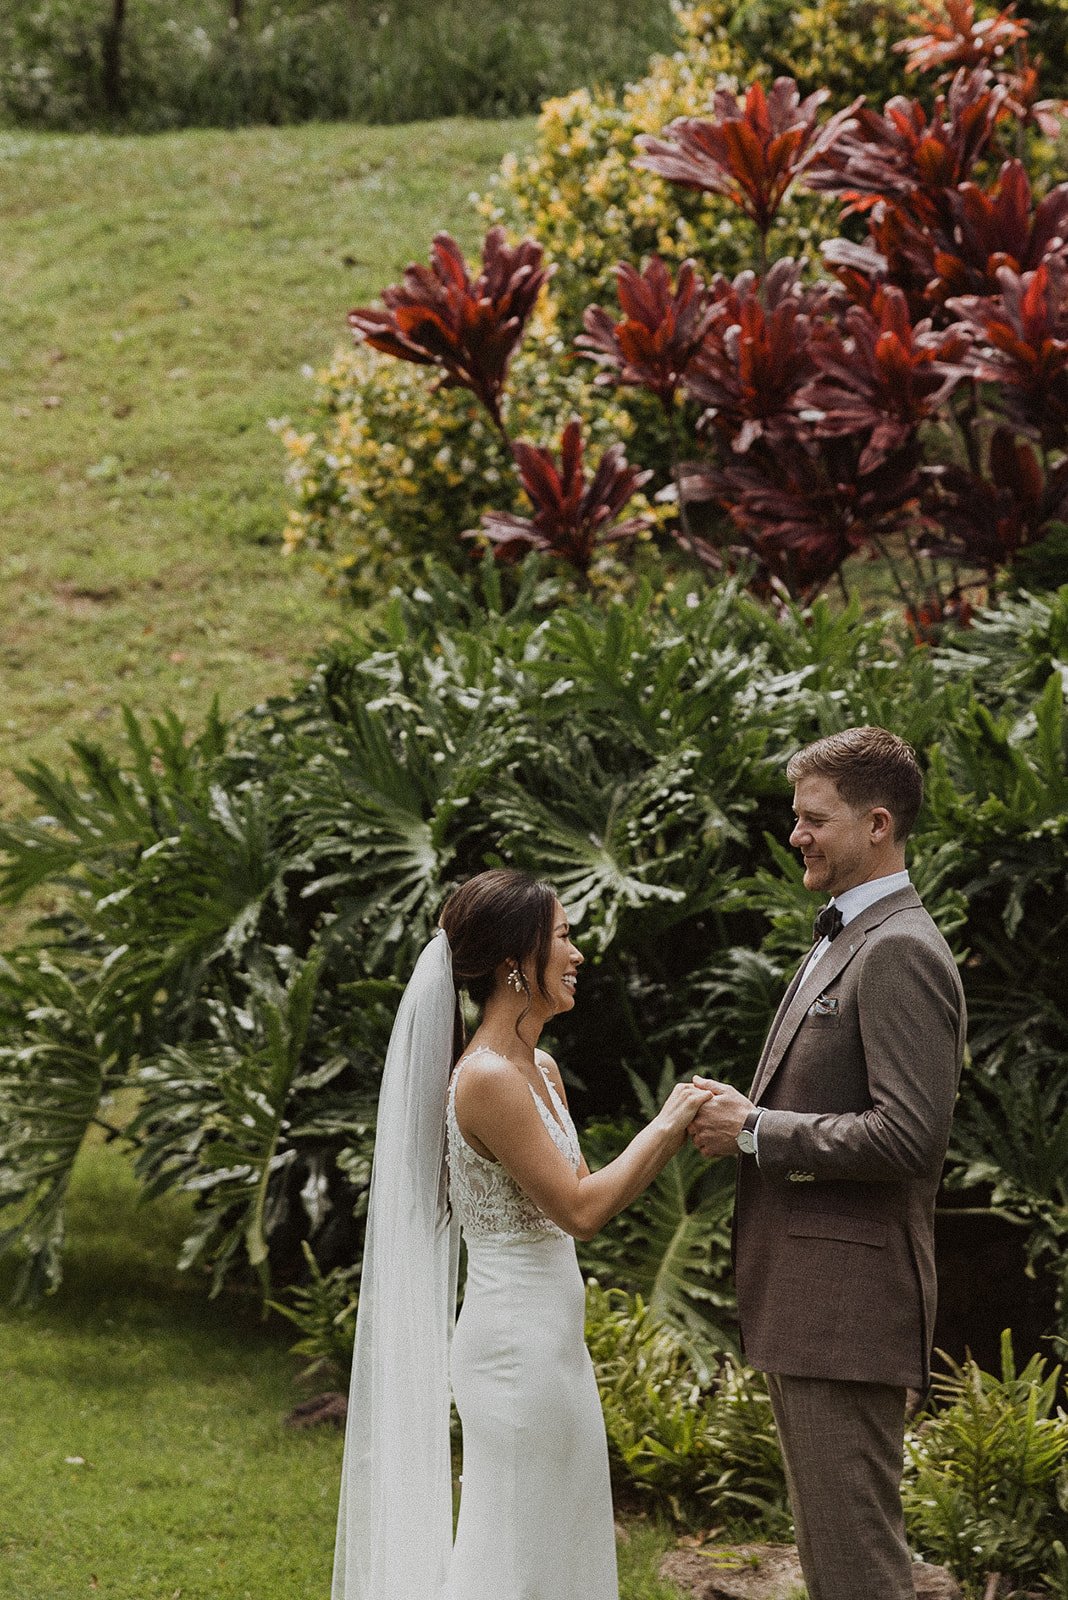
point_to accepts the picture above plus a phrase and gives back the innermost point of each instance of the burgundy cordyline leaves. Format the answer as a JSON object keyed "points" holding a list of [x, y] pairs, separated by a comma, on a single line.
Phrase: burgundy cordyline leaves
{"points": [[440, 317], [903, 154], [881, 376], [933, 231], [756, 354], [987, 520], [751, 150], [816, 405], [805, 509], [572, 517], [660, 332], [1022, 346], [1001, 227], [956, 39], [969, 235]]}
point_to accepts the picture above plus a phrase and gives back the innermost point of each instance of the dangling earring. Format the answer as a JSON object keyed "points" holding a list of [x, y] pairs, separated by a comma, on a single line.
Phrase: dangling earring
{"points": [[515, 980]]}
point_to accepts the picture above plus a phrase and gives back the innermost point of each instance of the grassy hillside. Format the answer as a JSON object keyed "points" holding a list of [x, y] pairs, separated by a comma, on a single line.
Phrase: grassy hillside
{"points": [[158, 299]]}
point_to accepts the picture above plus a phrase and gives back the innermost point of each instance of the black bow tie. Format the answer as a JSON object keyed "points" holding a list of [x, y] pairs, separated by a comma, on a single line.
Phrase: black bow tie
{"points": [[828, 924]]}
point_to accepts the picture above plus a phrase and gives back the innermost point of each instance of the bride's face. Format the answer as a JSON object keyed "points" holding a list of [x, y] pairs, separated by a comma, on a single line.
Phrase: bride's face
{"points": [[561, 971]]}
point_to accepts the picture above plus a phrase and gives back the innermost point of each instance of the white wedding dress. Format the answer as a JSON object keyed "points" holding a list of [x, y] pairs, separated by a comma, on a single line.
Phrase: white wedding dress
{"points": [[535, 1518]]}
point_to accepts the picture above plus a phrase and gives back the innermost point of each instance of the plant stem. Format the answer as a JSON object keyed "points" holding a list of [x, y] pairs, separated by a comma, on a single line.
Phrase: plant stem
{"points": [[895, 573], [926, 583], [673, 449], [969, 427], [1020, 60]]}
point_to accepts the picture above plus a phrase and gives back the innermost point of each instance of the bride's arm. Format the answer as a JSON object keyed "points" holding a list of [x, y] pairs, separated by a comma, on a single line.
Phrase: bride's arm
{"points": [[494, 1104]]}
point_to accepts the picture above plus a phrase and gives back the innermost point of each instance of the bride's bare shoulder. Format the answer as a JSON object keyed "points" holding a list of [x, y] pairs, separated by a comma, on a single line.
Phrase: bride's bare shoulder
{"points": [[483, 1057], [482, 1067]]}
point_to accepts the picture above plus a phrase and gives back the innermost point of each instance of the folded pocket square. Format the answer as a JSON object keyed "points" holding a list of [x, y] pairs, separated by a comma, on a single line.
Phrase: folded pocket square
{"points": [[826, 1005]]}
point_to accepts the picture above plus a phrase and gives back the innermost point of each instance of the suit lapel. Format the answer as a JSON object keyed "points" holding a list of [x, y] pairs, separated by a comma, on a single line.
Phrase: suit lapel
{"points": [[774, 1029], [804, 990]]}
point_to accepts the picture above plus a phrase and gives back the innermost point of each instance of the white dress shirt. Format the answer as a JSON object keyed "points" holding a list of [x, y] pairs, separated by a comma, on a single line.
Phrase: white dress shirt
{"points": [[851, 902]]}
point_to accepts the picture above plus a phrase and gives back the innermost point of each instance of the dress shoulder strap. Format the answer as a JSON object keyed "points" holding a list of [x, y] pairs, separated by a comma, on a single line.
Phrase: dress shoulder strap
{"points": [[554, 1093]]}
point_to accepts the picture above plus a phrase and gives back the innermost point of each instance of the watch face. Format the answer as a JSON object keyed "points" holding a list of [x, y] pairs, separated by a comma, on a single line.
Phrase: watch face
{"points": [[746, 1142]]}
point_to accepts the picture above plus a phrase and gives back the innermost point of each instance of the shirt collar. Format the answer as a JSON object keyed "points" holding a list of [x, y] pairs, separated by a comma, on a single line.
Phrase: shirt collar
{"points": [[851, 902]]}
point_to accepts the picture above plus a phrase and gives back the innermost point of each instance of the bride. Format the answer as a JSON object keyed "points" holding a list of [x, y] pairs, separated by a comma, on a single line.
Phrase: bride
{"points": [[488, 1144]]}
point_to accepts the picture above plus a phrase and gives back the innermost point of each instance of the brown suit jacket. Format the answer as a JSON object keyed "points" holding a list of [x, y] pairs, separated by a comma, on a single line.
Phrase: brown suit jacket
{"points": [[834, 1230]]}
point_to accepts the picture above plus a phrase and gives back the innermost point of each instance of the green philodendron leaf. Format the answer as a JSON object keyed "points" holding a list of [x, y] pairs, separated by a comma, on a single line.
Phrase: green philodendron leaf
{"points": [[54, 1074], [216, 1119], [671, 1245]]}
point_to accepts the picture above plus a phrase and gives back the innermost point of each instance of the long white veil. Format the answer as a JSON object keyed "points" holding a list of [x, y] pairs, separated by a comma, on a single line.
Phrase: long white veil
{"points": [[394, 1532]]}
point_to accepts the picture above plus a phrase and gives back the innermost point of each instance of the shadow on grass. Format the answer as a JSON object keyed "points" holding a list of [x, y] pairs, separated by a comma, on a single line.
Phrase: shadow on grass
{"points": [[120, 1272]]}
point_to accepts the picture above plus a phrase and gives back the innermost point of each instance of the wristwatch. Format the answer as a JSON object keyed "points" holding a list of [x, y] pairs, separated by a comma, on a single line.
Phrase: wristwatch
{"points": [[746, 1140]]}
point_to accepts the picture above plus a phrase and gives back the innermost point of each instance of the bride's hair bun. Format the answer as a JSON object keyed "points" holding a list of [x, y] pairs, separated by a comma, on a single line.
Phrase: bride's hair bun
{"points": [[500, 915]]}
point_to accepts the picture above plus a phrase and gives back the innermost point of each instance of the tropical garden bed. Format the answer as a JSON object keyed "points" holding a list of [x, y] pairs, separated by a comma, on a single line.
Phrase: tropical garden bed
{"points": [[593, 565]]}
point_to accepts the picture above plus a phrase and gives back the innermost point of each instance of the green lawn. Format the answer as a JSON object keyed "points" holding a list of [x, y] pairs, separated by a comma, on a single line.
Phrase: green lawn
{"points": [[144, 1453], [144, 1456], [159, 298]]}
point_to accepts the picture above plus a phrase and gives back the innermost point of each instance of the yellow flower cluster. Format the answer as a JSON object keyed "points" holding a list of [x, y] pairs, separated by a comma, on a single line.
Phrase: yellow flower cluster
{"points": [[397, 466]]}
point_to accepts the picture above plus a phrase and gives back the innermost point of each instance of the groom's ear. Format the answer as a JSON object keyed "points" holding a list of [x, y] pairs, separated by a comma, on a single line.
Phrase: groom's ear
{"points": [[882, 825]]}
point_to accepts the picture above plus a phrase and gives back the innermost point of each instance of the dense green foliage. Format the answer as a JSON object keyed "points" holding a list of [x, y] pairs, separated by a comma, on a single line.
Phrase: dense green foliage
{"points": [[241, 907], [700, 1449], [225, 63], [986, 1475]]}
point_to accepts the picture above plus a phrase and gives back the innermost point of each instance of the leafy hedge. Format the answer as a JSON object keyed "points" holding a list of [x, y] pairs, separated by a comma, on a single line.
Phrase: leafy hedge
{"points": [[845, 342], [224, 63], [239, 908], [581, 195], [396, 466]]}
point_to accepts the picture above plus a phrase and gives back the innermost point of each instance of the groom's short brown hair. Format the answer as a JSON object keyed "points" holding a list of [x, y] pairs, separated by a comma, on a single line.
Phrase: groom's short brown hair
{"points": [[868, 767]]}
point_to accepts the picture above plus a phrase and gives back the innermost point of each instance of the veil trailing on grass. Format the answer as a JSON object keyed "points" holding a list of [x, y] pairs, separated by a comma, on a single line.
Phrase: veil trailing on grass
{"points": [[394, 1534]]}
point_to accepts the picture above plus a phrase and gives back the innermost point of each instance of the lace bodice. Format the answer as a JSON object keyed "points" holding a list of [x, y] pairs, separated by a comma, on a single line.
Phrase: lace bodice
{"points": [[489, 1203]]}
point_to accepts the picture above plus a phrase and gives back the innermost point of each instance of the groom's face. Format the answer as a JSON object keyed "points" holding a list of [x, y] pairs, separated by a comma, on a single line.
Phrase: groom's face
{"points": [[836, 842]]}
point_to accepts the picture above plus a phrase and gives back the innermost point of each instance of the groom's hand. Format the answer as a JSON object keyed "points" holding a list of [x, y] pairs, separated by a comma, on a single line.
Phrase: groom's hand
{"points": [[719, 1121]]}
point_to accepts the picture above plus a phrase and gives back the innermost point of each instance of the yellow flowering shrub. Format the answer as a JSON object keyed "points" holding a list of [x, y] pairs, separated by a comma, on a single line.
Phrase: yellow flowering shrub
{"points": [[396, 467], [581, 195]]}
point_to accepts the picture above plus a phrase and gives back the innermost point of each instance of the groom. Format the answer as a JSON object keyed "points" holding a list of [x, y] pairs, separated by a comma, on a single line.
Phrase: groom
{"points": [[840, 1146]]}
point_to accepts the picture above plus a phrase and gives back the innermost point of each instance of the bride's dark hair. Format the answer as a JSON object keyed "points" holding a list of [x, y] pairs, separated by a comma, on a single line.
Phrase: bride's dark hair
{"points": [[500, 915]]}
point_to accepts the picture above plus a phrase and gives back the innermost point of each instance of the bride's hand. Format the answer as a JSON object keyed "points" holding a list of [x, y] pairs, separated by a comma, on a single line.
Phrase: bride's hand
{"points": [[680, 1108]]}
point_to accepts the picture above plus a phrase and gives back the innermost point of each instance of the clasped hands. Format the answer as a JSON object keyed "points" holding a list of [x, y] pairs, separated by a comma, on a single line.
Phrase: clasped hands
{"points": [[719, 1119]]}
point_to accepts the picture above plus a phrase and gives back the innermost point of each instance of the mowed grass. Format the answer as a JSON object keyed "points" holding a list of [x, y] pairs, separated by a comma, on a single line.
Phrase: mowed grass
{"points": [[159, 298], [144, 1454]]}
